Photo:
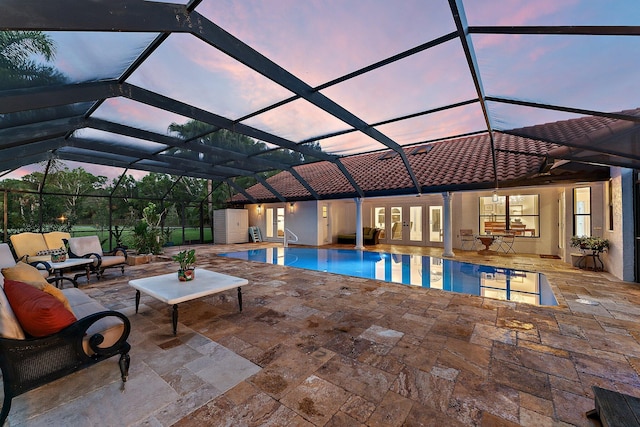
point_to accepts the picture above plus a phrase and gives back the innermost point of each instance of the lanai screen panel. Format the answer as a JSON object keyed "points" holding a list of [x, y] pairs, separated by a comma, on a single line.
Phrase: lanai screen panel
{"points": [[322, 41], [189, 70], [140, 116], [346, 78]]}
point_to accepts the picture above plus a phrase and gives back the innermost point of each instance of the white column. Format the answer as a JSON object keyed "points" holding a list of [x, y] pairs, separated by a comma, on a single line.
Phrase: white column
{"points": [[359, 239], [448, 234]]}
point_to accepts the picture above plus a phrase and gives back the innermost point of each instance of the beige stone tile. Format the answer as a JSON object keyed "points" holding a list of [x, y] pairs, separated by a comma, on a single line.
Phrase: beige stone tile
{"points": [[366, 381], [392, 411], [572, 408], [315, 399], [536, 404], [461, 360], [522, 379], [358, 408]]}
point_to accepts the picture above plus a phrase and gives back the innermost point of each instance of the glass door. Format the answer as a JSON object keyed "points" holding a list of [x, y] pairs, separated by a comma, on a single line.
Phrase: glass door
{"points": [[280, 222], [379, 215], [269, 222], [396, 224], [415, 223], [435, 223], [275, 222]]}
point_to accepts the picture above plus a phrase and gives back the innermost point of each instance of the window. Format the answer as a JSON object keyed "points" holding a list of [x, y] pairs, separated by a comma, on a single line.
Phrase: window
{"points": [[582, 211], [519, 214]]}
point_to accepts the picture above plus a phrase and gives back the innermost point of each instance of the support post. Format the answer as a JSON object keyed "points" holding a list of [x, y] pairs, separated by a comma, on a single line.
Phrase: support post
{"points": [[448, 240], [359, 237]]}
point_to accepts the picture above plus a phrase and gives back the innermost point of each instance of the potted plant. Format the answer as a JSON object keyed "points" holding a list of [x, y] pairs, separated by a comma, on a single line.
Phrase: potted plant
{"points": [[146, 236], [595, 244], [186, 259]]}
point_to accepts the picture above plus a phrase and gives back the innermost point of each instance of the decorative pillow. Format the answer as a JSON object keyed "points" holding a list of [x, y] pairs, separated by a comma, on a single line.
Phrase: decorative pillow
{"points": [[51, 290], [57, 255], [9, 326], [22, 272], [39, 313], [57, 294]]}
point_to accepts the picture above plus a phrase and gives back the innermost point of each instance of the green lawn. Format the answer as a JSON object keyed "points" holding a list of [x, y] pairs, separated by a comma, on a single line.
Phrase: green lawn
{"points": [[190, 235]]}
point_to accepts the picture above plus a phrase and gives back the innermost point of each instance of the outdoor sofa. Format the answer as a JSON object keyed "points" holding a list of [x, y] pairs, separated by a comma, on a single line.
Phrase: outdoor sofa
{"points": [[32, 247], [370, 235], [47, 333]]}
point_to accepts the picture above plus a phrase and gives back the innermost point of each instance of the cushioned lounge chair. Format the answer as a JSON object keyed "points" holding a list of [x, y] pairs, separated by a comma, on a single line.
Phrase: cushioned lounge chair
{"points": [[90, 247]]}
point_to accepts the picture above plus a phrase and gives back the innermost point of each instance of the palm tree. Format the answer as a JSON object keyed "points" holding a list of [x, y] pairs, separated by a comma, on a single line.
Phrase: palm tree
{"points": [[18, 68]]}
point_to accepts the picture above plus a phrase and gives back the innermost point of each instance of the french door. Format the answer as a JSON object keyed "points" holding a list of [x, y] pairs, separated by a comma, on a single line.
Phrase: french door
{"points": [[402, 224], [275, 223]]}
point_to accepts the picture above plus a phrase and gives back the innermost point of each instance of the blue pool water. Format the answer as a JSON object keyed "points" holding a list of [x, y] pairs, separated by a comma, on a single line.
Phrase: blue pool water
{"points": [[413, 270]]}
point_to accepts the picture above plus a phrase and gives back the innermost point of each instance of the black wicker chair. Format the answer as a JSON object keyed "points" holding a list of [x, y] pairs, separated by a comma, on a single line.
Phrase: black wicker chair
{"points": [[30, 363]]}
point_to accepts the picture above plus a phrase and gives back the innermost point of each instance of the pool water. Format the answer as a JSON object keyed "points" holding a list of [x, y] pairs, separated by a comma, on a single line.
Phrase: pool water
{"points": [[413, 270]]}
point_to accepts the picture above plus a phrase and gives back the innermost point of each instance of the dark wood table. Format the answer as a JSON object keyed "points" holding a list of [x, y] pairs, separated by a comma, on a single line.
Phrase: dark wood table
{"points": [[487, 241]]}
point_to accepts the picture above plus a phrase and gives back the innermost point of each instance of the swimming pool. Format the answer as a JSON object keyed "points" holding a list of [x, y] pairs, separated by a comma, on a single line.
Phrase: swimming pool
{"points": [[413, 270]]}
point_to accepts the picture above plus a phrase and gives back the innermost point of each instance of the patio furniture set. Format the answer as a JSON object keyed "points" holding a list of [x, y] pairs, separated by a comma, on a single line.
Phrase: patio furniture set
{"points": [[83, 253], [504, 242], [48, 332]]}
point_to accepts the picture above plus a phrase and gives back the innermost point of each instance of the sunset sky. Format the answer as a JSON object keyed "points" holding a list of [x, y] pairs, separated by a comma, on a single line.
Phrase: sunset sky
{"points": [[320, 40]]}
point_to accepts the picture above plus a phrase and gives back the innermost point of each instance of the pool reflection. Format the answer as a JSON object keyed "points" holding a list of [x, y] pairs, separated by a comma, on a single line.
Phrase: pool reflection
{"points": [[414, 270]]}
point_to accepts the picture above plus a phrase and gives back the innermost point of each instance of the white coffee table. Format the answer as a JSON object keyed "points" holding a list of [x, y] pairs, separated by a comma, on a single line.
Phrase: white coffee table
{"points": [[59, 267], [168, 289]]}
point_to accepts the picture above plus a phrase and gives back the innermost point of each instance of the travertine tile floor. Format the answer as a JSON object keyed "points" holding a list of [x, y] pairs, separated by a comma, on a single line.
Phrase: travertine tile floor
{"points": [[315, 349]]}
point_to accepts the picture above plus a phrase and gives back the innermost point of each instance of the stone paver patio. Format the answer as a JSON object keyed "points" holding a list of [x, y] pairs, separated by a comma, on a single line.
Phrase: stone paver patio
{"points": [[316, 349]]}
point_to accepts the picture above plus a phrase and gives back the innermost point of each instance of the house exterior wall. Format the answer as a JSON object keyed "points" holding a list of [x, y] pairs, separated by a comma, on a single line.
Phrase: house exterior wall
{"points": [[308, 223], [621, 256]]}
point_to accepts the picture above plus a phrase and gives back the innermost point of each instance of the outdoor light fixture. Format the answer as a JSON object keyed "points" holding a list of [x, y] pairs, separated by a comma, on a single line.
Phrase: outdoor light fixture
{"points": [[495, 197], [62, 218], [291, 207], [259, 209]]}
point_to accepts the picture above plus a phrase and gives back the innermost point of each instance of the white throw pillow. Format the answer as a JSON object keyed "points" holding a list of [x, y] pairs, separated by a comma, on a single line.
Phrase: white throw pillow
{"points": [[9, 326]]}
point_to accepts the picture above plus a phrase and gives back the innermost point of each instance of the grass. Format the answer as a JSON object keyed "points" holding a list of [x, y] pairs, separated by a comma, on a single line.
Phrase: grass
{"points": [[191, 235]]}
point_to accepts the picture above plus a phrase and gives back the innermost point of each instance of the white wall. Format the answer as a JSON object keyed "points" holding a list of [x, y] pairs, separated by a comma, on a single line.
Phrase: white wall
{"points": [[466, 215], [307, 222], [620, 257], [303, 221]]}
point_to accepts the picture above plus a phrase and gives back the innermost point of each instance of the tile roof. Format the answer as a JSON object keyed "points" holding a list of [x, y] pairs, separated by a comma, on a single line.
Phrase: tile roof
{"points": [[579, 131], [451, 165]]}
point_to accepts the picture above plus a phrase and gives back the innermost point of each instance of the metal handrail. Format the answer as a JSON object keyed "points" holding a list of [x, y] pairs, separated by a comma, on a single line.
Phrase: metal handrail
{"points": [[286, 241]]}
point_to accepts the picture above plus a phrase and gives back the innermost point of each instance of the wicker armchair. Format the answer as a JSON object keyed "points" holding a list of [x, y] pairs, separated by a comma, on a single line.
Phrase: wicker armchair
{"points": [[30, 363]]}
